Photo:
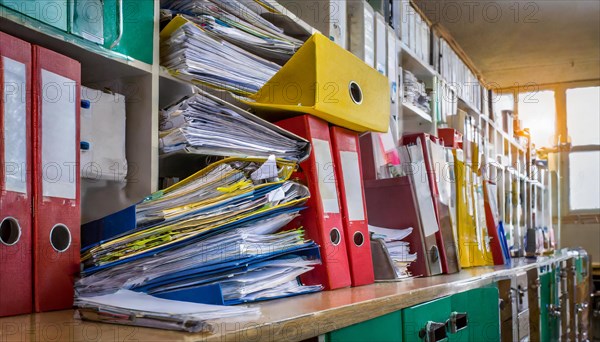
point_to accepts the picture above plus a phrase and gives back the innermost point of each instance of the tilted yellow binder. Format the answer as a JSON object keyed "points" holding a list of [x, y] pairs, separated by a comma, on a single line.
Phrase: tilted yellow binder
{"points": [[329, 82]]}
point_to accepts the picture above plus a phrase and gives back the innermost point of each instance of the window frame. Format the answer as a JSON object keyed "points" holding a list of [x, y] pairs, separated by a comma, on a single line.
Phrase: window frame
{"points": [[576, 149], [561, 135]]}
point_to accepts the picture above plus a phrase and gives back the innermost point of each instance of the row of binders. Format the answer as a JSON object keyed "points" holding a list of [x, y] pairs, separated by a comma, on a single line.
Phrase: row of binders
{"points": [[453, 211], [39, 178]]}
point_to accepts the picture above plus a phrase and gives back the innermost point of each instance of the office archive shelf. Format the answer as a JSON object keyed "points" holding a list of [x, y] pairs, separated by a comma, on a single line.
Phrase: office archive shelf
{"points": [[509, 301], [118, 56]]}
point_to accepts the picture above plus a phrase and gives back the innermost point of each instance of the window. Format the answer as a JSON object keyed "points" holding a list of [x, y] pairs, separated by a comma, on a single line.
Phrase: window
{"points": [[583, 116], [583, 126], [584, 183], [537, 110]]}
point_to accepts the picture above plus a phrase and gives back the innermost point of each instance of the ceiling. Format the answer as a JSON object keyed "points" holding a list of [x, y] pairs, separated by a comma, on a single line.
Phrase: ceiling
{"points": [[520, 42]]}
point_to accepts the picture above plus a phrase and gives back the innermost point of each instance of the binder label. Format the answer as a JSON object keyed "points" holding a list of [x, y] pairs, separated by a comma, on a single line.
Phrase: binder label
{"points": [[353, 185], [326, 174], [59, 145], [15, 126]]}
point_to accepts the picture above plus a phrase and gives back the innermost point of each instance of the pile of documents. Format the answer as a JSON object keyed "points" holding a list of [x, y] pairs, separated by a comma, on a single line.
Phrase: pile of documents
{"points": [[415, 92], [192, 53], [398, 250], [241, 23], [134, 308], [204, 124], [212, 238]]}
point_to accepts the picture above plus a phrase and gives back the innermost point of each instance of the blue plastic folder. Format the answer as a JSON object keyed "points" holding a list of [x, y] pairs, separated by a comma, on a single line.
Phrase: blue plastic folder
{"points": [[504, 243], [206, 288]]}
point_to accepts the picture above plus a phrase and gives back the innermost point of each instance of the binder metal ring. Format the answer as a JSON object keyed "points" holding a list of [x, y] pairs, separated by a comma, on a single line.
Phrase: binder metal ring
{"points": [[335, 236], [359, 239], [60, 238], [355, 92], [10, 231]]}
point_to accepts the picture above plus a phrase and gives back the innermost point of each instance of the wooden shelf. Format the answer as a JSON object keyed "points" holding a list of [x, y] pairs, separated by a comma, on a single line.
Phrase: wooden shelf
{"points": [[98, 63], [414, 112], [294, 318]]}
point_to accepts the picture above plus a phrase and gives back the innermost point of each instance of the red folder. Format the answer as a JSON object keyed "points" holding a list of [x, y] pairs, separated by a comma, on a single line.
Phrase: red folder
{"points": [[492, 221], [346, 157], [444, 236], [15, 178], [322, 220], [56, 241], [392, 203]]}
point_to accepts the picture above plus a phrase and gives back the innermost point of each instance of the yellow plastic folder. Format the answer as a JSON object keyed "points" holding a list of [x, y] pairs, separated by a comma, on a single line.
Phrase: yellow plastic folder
{"points": [[329, 82], [470, 240]]}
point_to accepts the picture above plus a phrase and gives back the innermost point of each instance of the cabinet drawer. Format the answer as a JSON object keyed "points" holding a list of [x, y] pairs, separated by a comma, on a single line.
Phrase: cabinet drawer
{"points": [[483, 315], [384, 328], [506, 299], [520, 292], [417, 319], [523, 322], [51, 12]]}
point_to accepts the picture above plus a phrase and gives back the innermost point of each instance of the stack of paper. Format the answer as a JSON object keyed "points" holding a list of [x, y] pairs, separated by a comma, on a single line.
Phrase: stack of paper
{"points": [[203, 124], [398, 250], [240, 23], [212, 238], [210, 201], [134, 308], [191, 52]]}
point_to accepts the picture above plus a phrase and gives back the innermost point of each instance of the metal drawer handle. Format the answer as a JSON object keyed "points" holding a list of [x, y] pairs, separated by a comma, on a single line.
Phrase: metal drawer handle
{"points": [[120, 25], [457, 322], [554, 310], [433, 331]]}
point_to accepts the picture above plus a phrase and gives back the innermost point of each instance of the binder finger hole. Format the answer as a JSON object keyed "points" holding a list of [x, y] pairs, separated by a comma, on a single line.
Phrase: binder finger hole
{"points": [[335, 236], [355, 92], [60, 238], [10, 231], [359, 239]]}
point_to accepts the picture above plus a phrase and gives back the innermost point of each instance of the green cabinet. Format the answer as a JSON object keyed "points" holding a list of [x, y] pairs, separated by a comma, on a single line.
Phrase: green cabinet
{"points": [[123, 26], [483, 315], [137, 30], [427, 321], [51, 12], [381, 329], [549, 307]]}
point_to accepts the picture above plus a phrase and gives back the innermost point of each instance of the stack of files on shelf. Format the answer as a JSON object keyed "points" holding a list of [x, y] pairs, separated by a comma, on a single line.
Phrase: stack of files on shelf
{"points": [[241, 23], [206, 125], [327, 16], [193, 53], [397, 248], [414, 91], [210, 238], [139, 309]]}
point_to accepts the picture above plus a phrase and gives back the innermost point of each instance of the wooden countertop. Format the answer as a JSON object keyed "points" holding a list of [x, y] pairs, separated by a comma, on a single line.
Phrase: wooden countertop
{"points": [[288, 319]]}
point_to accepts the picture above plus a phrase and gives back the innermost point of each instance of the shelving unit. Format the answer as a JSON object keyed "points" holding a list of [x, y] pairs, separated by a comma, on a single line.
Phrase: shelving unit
{"points": [[520, 192], [138, 81]]}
